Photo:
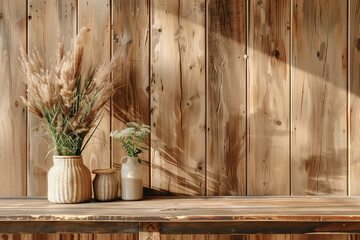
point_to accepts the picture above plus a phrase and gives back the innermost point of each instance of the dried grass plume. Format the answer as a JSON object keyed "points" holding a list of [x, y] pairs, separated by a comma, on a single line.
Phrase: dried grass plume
{"points": [[70, 103]]}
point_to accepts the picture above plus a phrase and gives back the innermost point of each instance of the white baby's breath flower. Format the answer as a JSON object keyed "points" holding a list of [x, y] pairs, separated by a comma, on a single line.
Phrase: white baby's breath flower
{"points": [[126, 132], [132, 137], [145, 130], [133, 124], [139, 133]]}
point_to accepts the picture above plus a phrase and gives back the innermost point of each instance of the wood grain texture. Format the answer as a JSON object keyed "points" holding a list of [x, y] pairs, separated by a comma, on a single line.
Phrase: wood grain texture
{"points": [[319, 99], [185, 228], [227, 237], [13, 111], [354, 92], [268, 237], [45, 20], [78, 236], [269, 117], [149, 231], [186, 209], [4, 236], [96, 16], [131, 101], [187, 237], [277, 228], [321, 237], [102, 237], [72, 229], [38, 237], [127, 236], [226, 98], [354, 237], [354, 96], [178, 96], [301, 237]]}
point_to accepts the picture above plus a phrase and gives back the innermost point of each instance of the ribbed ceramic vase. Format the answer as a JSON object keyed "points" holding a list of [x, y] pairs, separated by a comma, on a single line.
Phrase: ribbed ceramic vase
{"points": [[69, 180], [105, 184]]}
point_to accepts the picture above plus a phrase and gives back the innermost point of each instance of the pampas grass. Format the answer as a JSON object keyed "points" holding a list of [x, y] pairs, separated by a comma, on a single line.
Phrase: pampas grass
{"points": [[68, 102]]}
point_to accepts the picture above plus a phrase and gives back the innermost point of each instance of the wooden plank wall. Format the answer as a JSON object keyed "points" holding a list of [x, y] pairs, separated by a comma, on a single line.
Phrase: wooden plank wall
{"points": [[45, 20], [226, 98], [244, 97], [269, 95], [178, 96], [319, 102]]}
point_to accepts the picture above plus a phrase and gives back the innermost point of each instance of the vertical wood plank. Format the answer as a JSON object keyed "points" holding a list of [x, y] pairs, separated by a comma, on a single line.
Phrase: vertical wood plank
{"points": [[76, 236], [149, 231], [320, 237], [269, 58], [354, 96], [271, 237], [196, 237], [131, 101], [354, 237], [126, 236], [14, 116], [46, 19], [96, 16], [102, 236], [269, 121], [354, 92], [26, 236], [228, 237], [178, 96], [68, 237], [319, 101], [10, 236], [13, 111], [226, 98], [52, 236], [86, 236]]}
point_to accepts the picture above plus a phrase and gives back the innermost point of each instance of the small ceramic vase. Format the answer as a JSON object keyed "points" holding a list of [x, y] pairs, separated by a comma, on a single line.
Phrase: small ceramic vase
{"points": [[131, 179], [69, 180], [105, 184]]}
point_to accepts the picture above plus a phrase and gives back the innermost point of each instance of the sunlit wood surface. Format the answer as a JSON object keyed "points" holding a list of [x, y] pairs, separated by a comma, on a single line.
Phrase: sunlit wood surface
{"points": [[185, 215], [186, 209]]}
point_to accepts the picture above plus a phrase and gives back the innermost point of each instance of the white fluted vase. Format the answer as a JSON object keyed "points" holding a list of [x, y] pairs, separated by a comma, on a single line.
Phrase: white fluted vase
{"points": [[69, 180], [105, 184]]}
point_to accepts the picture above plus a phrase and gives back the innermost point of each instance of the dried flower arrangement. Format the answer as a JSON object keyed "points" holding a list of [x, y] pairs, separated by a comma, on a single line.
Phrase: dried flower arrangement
{"points": [[70, 103], [131, 138]]}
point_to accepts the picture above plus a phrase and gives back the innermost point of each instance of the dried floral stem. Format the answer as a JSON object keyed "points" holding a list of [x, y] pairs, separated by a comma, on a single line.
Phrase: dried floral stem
{"points": [[68, 102]]}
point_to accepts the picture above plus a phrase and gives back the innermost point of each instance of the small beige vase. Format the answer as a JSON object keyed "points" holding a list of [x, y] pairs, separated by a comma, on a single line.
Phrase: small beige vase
{"points": [[69, 180], [105, 184], [131, 179]]}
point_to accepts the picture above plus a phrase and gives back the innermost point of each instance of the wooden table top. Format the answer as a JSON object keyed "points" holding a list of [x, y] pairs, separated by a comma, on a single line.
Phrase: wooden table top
{"points": [[187, 209]]}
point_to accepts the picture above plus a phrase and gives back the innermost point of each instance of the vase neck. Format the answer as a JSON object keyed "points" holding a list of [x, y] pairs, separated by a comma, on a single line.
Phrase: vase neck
{"points": [[67, 161]]}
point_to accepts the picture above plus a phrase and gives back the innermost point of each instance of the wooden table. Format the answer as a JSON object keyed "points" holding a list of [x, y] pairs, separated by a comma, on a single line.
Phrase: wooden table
{"points": [[184, 215]]}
